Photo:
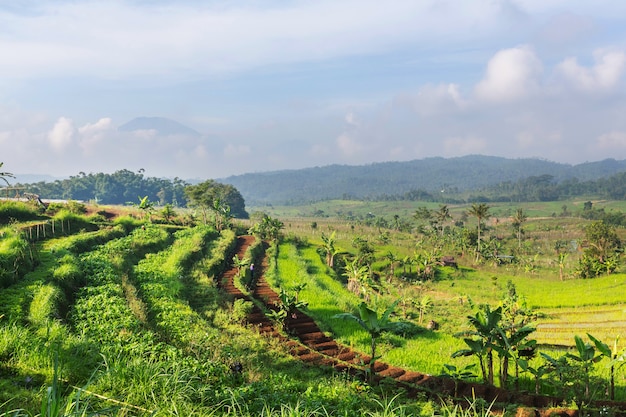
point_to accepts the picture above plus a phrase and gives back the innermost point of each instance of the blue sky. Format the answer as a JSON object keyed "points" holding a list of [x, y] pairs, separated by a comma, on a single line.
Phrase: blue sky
{"points": [[291, 84]]}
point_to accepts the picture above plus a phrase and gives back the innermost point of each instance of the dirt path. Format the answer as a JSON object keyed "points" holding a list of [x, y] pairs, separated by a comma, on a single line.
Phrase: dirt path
{"points": [[308, 343]]}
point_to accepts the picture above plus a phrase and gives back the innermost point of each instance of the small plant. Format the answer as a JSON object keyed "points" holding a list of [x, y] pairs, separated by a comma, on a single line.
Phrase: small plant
{"points": [[459, 374], [368, 319], [241, 310]]}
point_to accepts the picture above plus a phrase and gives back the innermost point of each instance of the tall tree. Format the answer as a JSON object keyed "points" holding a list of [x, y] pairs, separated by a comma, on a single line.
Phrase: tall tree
{"points": [[603, 247], [518, 221], [481, 212], [212, 196], [442, 214], [5, 175]]}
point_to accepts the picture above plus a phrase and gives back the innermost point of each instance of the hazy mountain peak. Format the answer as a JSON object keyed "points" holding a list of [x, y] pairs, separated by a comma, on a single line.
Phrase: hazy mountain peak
{"points": [[163, 126]]}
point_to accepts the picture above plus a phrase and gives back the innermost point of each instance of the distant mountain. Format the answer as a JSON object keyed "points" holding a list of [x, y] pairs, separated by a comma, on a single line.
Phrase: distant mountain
{"points": [[162, 125], [32, 178], [433, 175]]}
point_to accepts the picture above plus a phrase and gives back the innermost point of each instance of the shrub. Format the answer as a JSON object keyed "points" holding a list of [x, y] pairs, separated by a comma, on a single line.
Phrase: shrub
{"points": [[17, 211], [45, 305]]}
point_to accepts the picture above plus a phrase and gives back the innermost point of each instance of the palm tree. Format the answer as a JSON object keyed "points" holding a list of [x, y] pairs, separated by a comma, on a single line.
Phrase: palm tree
{"points": [[441, 216], [5, 175], [368, 319], [481, 212], [518, 220]]}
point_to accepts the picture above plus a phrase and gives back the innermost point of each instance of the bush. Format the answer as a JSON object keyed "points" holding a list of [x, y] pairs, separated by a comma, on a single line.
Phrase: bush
{"points": [[45, 305], [17, 211], [16, 258]]}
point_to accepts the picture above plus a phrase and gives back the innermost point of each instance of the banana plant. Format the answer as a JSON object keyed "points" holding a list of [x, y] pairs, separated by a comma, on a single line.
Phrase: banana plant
{"points": [[586, 357], [369, 320], [486, 338], [614, 359]]}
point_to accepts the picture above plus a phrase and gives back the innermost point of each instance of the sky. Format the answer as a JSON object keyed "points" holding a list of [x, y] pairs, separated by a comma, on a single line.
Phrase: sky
{"points": [[289, 84]]}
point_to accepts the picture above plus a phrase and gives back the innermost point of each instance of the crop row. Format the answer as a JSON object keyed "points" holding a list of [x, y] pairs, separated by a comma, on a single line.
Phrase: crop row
{"points": [[327, 296]]}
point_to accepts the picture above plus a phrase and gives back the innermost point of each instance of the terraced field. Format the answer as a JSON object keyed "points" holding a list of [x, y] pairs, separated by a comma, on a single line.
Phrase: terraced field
{"points": [[560, 325]]}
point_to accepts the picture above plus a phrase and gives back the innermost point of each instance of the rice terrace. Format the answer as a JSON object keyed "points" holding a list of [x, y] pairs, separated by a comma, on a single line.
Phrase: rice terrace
{"points": [[333, 308]]}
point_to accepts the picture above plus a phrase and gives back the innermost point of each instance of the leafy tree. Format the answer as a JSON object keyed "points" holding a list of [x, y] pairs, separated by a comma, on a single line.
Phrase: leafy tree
{"points": [[369, 320], [267, 228], [603, 247], [168, 213], [213, 196]]}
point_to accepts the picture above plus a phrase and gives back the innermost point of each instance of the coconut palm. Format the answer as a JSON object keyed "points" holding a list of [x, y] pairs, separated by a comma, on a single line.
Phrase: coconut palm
{"points": [[518, 220], [481, 212], [441, 215], [5, 175]]}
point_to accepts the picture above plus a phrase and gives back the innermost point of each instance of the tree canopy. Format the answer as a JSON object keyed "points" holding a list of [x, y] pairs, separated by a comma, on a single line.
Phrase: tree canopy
{"points": [[214, 196]]}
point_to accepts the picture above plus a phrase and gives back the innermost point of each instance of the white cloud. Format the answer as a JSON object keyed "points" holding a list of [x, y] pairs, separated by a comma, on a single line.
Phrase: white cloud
{"points": [[145, 134], [603, 75], [92, 133], [437, 99], [121, 38], [351, 119], [348, 145], [237, 150], [612, 140], [61, 134], [511, 74]]}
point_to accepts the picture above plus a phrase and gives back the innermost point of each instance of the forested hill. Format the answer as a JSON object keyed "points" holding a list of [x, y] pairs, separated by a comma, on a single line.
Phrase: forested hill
{"points": [[414, 179]]}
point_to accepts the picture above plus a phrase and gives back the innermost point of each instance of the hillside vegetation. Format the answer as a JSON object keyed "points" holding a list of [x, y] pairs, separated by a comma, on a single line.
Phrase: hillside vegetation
{"points": [[103, 313], [454, 180]]}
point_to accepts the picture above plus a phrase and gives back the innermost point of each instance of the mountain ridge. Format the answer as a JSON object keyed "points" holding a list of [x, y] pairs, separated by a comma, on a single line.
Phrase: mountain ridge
{"points": [[433, 174]]}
